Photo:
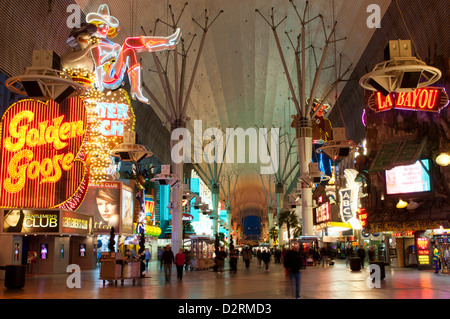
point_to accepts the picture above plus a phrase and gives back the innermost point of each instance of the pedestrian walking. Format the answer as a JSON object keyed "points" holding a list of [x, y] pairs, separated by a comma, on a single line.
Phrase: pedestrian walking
{"points": [[361, 255], [436, 257], [148, 256], [160, 252], [295, 262], [187, 263], [180, 259], [247, 256], [259, 257], [233, 259], [265, 256], [167, 260]]}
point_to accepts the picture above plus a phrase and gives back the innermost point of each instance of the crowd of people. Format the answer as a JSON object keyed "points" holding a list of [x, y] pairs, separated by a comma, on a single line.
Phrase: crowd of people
{"points": [[294, 259]]}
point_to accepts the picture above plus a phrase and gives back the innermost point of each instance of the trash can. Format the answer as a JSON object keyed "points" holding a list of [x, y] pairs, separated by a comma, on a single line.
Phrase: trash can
{"points": [[15, 276], [355, 264]]}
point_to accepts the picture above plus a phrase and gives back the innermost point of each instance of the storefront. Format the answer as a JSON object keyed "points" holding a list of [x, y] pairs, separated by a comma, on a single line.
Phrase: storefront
{"points": [[47, 241], [411, 244]]}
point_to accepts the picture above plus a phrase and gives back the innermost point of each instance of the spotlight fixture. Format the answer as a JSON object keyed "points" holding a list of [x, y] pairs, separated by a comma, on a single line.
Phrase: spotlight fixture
{"points": [[128, 151], [339, 147], [401, 72], [315, 176], [44, 80], [401, 204], [165, 177]]}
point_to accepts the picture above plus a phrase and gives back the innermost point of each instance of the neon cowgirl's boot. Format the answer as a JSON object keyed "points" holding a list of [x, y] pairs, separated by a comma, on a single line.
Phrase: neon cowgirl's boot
{"points": [[134, 75], [161, 43]]}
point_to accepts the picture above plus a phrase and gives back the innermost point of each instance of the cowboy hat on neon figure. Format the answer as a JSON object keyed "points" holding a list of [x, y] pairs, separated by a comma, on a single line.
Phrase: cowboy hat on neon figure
{"points": [[113, 60]]}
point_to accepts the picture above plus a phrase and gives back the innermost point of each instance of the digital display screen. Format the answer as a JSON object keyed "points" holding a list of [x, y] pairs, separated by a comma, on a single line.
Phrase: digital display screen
{"points": [[408, 178], [44, 251], [82, 250]]}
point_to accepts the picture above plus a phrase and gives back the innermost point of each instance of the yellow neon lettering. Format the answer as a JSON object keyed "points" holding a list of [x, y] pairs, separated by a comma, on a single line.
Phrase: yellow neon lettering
{"points": [[67, 161], [19, 133], [17, 172]]}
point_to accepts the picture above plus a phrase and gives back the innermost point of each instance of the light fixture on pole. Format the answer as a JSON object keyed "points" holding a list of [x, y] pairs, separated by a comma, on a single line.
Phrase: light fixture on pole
{"points": [[129, 151], [339, 147], [315, 176], [44, 80], [401, 72], [165, 177]]}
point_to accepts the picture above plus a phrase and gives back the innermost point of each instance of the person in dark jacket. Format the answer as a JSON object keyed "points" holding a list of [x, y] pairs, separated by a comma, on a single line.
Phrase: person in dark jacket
{"points": [[265, 256], [294, 262], [362, 255], [167, 259]]}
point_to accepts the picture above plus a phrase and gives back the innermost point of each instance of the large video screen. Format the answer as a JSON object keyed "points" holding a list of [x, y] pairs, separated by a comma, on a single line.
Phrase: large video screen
{"points": [[408, 178]]}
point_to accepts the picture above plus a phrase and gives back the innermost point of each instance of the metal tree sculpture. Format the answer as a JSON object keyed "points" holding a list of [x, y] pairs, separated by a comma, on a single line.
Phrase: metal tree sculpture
{"points": [[304, 108]]}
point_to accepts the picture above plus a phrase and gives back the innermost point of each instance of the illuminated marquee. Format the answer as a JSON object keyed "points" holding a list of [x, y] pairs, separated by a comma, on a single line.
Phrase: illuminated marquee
{"points": [[346, 205], [362, 214], [429, 99], [323, 213], [76, 223], [423, 250], [112, 117], [39, 148]]}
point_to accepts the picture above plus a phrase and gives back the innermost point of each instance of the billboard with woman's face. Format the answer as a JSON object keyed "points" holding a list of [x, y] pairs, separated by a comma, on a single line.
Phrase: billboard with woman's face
{"points": [[30, 221], [127, 211], [103, 202]]}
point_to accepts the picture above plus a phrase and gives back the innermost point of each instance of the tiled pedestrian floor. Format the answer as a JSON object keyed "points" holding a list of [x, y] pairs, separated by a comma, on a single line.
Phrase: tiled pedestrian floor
{"points": [[335, 282]]}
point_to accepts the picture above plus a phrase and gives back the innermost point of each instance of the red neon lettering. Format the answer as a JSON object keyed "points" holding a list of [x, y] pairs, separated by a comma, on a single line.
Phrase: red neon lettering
{"points": [[426, 99], [422, 100], [432, 99]]}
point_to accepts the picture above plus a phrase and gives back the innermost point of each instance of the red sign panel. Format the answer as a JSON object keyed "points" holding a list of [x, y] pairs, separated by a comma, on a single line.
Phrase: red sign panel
{"points": [[429, 99], [362, 216], [39, 148]]}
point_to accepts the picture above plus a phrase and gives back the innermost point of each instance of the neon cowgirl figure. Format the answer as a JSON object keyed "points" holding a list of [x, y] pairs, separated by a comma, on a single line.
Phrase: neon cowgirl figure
{"points": [[113, 60]]}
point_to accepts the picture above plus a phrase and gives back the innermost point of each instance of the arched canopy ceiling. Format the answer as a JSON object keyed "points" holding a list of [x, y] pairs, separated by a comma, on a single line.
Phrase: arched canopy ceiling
{"points": [[240, 80]]}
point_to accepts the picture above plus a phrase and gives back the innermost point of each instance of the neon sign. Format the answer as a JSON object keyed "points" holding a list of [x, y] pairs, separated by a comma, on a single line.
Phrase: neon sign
{"points": [[113, 61], [39, 147], [429, 99], [423, 250], [346, 205], [323, 213], [362, 216], [112, 117]]}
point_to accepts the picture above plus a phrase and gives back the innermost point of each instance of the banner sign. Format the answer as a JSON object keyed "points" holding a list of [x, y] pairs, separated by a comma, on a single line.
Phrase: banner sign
{"points": [[404, 226], [429, 99], [73, 223], [346, 205], [24, 221], [39, 148], [322, 213]]}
